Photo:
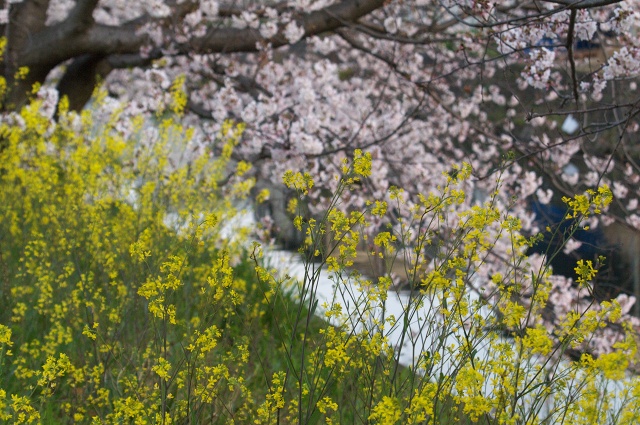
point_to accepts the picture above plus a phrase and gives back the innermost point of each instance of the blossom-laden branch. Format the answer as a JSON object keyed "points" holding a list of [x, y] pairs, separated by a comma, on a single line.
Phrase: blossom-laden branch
{"points": [[56, 42], [78, 34]]}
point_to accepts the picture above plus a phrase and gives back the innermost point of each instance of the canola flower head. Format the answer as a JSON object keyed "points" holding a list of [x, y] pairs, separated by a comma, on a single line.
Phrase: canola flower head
{"points": [[459, 173], [5, 335], [362, 163], [178, 95], [592, 202], [298, 181]]}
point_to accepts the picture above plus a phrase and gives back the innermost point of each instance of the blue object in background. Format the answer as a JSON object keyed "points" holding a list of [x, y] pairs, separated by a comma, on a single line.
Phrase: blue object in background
{"points": [[613, 276], [546, 42]]}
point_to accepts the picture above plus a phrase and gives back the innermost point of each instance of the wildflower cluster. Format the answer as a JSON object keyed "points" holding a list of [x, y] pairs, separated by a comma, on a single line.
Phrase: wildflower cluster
{"points": [[114, 264], [504, 359], [128, 299]]}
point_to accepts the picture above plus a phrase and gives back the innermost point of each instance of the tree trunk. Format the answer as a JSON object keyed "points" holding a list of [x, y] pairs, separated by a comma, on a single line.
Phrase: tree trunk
{"points": [[81, 78]]}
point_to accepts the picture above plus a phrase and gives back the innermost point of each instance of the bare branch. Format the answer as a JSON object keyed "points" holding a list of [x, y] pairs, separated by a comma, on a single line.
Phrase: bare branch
{"points": [[583, 4], [572, 62]]}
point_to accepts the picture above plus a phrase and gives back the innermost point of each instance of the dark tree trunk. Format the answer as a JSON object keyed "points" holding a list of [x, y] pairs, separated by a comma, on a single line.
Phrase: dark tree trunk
{"points": [[80, 79]]}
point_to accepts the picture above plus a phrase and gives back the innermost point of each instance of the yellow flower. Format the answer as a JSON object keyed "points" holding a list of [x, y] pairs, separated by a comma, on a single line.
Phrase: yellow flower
{"points": [[5, 335], [298, 181], [537, 340], [362, 163], [162, 368], [386, 412]]}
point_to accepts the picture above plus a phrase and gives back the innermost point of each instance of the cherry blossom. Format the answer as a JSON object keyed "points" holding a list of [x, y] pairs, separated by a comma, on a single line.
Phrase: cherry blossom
{"points": [[420, 85]]}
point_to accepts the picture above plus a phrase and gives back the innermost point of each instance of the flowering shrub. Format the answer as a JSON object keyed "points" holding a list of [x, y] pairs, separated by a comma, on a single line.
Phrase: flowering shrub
{"points": [[127, 300]]}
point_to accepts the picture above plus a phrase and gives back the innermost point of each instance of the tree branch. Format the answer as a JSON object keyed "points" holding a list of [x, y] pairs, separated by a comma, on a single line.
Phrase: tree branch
{"points": [[72, 38], [120, 46], [583, 4], [572, 61], [245, 40], [25, 19], [81, 16], [57, 45], [56, 38], [28, 16]]}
